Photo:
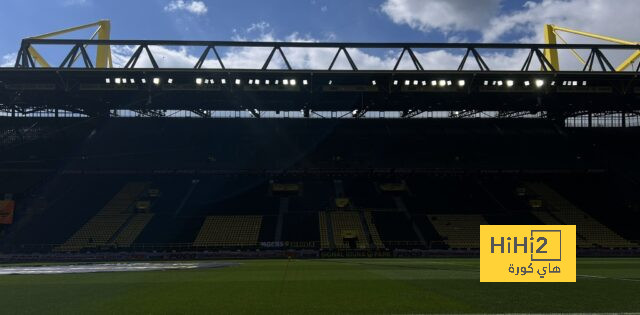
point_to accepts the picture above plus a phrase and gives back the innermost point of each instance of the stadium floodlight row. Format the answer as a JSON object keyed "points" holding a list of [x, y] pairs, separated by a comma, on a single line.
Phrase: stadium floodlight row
{"points": [[537, 88]]}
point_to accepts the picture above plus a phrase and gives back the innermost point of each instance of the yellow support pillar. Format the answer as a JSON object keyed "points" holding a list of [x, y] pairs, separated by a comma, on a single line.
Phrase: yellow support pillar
{"points": [[551, 54], [37, 58], [103, 57], [628, 61]]}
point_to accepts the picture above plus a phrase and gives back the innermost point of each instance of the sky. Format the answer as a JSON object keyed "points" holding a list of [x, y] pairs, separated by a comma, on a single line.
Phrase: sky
{"points": [[321, 21]]}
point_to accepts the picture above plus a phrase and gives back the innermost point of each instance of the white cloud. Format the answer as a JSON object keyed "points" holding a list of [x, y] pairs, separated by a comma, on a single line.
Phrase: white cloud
{"points": [[165, 57], [442, 15], [596, 16], [618, 19], [525, 25], [194, 7], [8, 60], [298, 58], [261, 26]]}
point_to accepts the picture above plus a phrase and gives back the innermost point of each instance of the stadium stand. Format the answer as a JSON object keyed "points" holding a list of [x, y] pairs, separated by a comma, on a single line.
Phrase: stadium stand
{"points": [[546, 217], [373, 230], [207, 194], [104, 226], [324, 230], [593, 193], [549, 218], [587, 228], [229, 231], [132, 229], [303, 228], [348, 231], [394, 227], [459, 231]]}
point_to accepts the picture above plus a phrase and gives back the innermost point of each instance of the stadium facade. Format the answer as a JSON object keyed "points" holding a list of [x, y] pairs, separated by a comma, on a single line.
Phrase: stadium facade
{"points": [[386, 162]]}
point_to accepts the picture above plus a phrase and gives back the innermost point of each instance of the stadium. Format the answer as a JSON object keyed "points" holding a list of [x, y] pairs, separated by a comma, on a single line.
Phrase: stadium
{"points": [[132, 186]]}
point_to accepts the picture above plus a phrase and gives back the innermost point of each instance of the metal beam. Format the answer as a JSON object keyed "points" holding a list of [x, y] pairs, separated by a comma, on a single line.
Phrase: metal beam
{"points": [[391, 45], [25, 54]]}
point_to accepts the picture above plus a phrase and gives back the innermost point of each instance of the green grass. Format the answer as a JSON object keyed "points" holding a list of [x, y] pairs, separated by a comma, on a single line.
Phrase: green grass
{"points": [[324, 286]]}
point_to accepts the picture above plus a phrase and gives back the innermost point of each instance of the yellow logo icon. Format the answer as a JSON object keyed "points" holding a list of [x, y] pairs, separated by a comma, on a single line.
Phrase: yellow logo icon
{"points": [[527, 253]]}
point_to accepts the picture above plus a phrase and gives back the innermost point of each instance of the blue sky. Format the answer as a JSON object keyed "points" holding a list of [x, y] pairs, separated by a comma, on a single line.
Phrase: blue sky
{"points": [[319, 20], [353, 20]]}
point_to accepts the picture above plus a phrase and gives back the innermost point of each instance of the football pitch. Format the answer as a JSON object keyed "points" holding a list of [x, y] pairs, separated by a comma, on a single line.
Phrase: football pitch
{"points": [[371, 286]]}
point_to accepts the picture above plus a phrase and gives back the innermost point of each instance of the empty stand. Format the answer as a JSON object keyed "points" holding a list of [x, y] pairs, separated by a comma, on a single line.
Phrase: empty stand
{"points": [[102, 227], [587, 228], [459, 231], [301, 227], [452, 167], [229, 230], [347, 230], [324, 230], [268, 228], [549, 218], [394, 227], [132, 229], [373, 230], [546, 217]]}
